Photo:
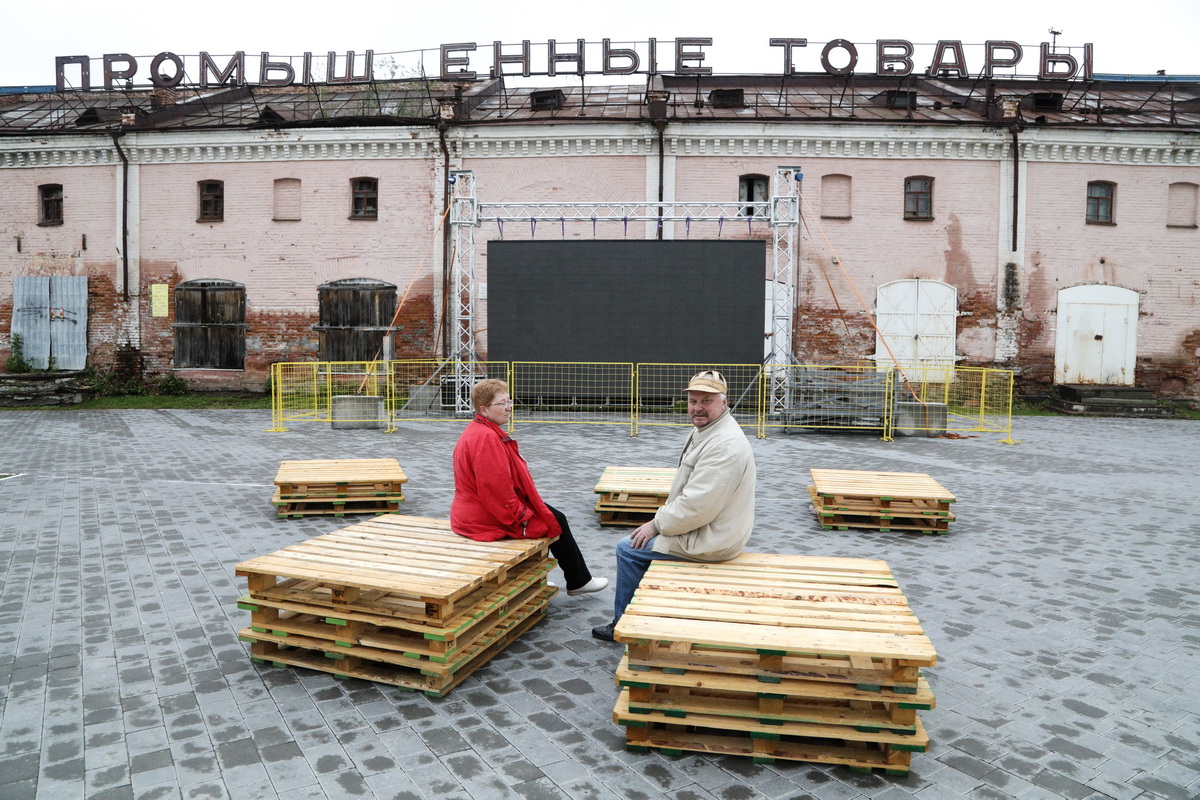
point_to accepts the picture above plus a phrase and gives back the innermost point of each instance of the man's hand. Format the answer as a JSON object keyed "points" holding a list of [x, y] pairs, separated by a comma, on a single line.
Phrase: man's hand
{"points": [[641, 537]]}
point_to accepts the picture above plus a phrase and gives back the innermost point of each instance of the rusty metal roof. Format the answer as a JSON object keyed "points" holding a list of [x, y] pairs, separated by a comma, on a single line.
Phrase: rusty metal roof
{"points": [[1143, 102]]}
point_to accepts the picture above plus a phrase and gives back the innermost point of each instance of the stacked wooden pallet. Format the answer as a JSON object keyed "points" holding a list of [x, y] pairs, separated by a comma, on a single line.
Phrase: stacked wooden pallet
{"points": [[631, 495], [338, 487], [880, 501], [775, 657], [396, 599]]}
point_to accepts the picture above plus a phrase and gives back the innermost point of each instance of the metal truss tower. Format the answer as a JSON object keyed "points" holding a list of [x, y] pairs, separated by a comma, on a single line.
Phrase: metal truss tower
{"points": [[782, 212]]}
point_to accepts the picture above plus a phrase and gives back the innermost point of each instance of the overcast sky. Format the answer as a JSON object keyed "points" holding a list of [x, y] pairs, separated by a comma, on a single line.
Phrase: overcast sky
{"points": [[1139, 37]]}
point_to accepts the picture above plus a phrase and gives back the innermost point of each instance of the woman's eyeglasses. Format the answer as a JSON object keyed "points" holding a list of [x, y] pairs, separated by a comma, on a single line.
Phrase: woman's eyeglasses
{"points": [[502, 403]]}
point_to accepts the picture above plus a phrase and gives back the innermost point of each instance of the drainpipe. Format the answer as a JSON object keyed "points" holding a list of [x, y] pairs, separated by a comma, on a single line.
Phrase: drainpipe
{"points": [[116, 136], [446, 241], [657, 99], [1014, 130], [660, 125]]}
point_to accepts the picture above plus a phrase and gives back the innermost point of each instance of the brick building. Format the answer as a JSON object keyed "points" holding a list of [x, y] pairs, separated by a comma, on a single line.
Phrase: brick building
{"points": [[1049, 226]]}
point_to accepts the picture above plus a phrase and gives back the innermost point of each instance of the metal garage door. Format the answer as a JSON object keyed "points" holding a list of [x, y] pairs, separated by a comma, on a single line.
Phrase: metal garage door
{"points": [[50, 316]]}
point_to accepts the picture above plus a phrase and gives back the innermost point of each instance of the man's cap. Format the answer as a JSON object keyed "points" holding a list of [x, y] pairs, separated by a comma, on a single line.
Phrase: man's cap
{"points": [[708, 381]]}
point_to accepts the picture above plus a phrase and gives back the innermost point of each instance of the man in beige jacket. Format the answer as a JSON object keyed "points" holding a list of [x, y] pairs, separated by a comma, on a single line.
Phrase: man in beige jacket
{"points": [[709, 512]]}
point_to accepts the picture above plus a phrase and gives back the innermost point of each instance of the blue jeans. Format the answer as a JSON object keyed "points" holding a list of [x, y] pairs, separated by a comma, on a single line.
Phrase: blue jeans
{"points": [[632, 564]]}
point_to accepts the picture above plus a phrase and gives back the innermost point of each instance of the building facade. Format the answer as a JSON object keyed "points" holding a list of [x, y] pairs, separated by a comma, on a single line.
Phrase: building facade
{"points": [[1045, 226]]}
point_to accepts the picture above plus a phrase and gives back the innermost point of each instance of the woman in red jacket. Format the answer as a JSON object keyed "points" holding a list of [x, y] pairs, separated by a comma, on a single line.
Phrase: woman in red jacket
{"points": [[494, 495]]}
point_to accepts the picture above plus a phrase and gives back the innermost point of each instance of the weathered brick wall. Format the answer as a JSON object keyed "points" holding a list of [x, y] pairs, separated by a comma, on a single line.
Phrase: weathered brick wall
{"points": [[282, 263], [875, 246], [1139, 252], [84, 244]]}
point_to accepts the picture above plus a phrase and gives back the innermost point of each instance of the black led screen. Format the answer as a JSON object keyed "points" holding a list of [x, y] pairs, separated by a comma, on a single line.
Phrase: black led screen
{"points": [[689, 302]]}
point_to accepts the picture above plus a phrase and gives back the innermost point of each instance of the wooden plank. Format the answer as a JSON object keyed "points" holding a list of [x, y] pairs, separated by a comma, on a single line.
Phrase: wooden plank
{"points": [[284, 608], [419, 565], [915, 648], [915, 741], [336, 471], [792, 605], [922, 698], [406, 676], [878, 485], [911, 507], [310, 632], [654, 481]]}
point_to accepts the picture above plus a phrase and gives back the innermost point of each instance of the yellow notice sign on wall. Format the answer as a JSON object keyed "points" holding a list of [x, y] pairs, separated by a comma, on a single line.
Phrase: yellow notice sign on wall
{"points": [[158, 300]]}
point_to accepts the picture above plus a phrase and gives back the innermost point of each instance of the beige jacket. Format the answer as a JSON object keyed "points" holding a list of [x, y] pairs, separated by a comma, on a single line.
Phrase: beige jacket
{"points": [[709, 513]]}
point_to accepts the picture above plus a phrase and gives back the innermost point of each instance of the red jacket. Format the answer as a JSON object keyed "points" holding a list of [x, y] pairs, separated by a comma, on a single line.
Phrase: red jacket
{"points": [[494, 495]]}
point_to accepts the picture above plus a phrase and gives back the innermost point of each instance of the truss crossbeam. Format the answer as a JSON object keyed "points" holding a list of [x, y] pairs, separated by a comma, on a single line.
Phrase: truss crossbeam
{"points": [[623, 212]]}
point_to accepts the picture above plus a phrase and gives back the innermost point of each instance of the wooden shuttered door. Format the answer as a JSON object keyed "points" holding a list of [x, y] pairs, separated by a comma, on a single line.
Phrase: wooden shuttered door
{"points": [[355, 319], [210, 324]]}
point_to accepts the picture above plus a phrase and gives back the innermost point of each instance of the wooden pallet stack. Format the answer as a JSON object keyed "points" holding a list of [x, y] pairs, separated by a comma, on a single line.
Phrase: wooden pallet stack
{"points": [[631, 495], [396, 599], [338, 487], [880, 501], [775, 657]]}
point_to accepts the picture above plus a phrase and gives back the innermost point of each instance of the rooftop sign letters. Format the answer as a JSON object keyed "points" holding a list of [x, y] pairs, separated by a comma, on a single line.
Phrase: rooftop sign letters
{"points": [[948, 58]]}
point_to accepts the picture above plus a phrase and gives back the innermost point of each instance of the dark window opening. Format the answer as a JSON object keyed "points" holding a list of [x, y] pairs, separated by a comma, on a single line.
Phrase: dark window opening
{"points": [[547, 100], [210, 324], [918, 198], [1101, 197], [51, 204], [212, 201], [727, 98], [752, 189], [364, 202]]}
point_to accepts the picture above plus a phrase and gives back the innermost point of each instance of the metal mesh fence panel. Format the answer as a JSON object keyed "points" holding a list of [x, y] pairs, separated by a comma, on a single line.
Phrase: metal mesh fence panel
{"points": [[592, 393], [425, 389], [927, 401], [938, 400], [820, 397], [294, 394], [353, 392], [662, 393]]}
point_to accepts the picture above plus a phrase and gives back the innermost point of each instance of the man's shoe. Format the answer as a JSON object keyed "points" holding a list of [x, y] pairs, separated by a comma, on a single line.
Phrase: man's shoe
{"points": [[604, 632], [594, 585]]}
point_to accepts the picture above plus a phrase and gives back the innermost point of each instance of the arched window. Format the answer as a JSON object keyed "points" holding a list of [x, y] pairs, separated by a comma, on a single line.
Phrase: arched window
{"points": [[835, 197], [210, 324], [918, 197], [1181, 205], [1101, 202]]}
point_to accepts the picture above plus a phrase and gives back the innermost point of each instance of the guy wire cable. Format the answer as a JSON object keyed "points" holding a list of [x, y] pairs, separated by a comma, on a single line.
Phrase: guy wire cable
{"points": [[867, 311]]}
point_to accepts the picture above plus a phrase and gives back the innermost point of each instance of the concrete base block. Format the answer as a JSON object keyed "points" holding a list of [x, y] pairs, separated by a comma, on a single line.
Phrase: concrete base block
{"points": [[913, 419], [357, 412]]}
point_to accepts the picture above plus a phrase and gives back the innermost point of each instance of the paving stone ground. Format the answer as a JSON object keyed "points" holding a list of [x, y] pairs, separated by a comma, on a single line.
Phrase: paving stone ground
{"points": [[1063, 605]]}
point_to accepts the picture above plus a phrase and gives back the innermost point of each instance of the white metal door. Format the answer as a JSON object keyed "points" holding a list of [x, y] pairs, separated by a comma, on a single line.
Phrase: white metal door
{"points": [[917, 319], [1096, 340]]}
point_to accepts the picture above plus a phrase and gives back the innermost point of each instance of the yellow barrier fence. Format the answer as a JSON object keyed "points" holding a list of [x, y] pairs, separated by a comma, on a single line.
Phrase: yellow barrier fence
{"points": [[426, 390], [818, 397], [934, 401], [579, 393], [662, 399]]}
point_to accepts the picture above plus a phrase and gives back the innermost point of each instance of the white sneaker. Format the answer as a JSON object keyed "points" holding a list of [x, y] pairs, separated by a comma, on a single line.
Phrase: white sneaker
{"points": [[594, 585]]}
